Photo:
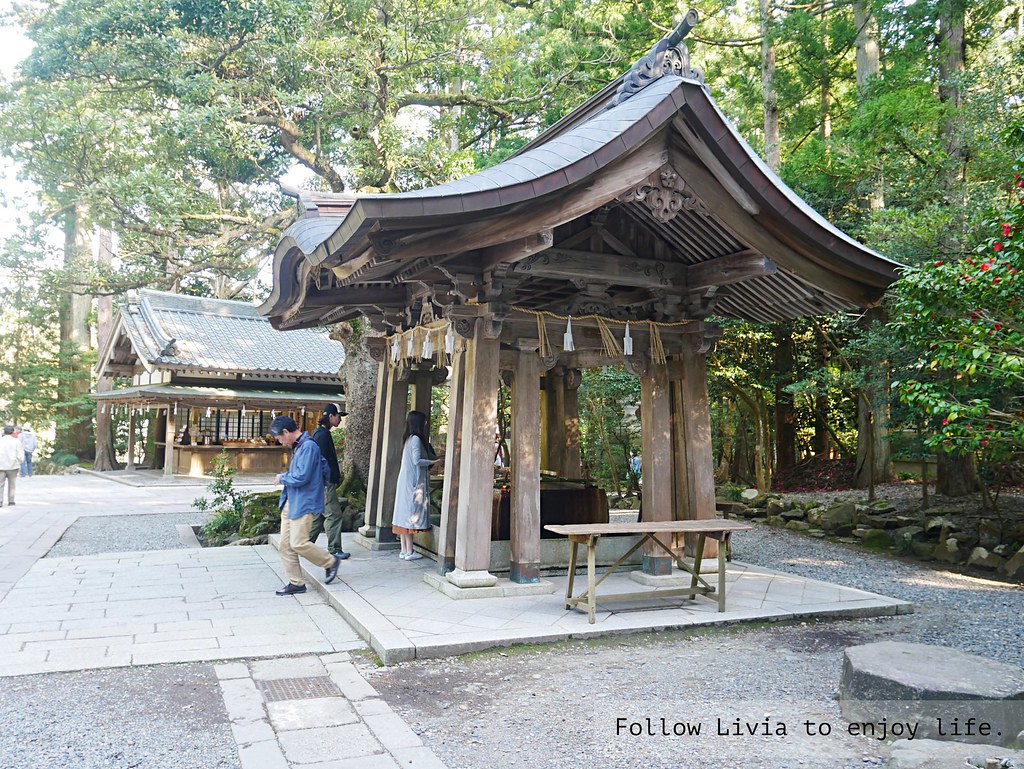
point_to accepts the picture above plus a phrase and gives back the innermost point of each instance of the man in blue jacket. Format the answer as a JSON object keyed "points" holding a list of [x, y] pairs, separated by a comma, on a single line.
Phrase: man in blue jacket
{"points": [[301, 499]]}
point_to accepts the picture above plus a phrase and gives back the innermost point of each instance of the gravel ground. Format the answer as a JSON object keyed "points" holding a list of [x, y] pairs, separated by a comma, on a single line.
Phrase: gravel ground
{"points": [[162, 717], [602, 703], [560, 707], [123, 534]]}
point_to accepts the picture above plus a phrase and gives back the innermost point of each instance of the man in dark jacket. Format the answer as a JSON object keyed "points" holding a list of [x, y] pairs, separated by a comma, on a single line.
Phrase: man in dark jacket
{"points": [[331, 517]]}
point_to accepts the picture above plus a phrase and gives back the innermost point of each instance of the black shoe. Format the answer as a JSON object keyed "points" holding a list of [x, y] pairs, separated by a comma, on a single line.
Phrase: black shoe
{"points": [[332, 571], [341, 555], [291, 589]]}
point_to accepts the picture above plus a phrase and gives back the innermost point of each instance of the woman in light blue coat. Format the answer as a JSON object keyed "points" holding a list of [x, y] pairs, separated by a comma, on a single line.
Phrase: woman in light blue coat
{"points": [[412, 497]]}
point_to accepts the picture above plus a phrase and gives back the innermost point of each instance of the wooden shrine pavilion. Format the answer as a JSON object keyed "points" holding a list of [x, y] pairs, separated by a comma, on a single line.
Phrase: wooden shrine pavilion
{"points": [[216, 373], [611, 238]]}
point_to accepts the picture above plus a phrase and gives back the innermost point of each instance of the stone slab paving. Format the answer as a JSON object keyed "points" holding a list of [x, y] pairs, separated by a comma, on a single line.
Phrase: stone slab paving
{"points": [[402, 617], [351, 729]]}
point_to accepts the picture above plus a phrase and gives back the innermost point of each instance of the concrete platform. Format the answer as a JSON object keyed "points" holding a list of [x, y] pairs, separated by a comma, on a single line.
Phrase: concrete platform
{"points": [[391, 604]]}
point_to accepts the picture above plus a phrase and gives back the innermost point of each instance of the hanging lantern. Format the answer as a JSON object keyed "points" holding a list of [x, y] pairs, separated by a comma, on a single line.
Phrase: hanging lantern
{"points": [[567, 343], [627, 342], [449, 340]]}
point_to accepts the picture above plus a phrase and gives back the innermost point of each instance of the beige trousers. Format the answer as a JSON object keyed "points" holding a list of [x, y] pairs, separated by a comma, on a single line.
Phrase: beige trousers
{"points": [[295, 542], [10, 476]]}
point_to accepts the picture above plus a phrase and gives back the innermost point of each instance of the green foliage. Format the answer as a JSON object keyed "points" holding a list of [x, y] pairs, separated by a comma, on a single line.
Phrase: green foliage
{"points": [[964, 321], [227, 505]]}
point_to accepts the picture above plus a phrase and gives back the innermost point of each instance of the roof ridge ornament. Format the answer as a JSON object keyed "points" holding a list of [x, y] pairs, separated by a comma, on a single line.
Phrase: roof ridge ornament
{"points": [[669, 56]]}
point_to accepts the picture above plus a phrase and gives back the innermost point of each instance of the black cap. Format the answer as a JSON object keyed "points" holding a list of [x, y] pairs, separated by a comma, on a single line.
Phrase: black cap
{"points": [[8, 429], [282, 423], [332, 408]]}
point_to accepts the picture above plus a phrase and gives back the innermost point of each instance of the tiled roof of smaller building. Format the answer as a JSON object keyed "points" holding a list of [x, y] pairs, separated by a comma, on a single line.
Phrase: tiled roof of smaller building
{"points": [[176, 331]]}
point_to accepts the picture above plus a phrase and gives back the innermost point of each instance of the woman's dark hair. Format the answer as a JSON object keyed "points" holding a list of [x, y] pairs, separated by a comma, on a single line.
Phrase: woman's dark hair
{"points": [[325, 421], [416, 424]]}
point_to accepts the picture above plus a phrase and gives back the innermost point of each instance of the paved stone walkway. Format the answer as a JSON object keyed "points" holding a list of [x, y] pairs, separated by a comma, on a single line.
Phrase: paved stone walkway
{"points": [[171, 606]]}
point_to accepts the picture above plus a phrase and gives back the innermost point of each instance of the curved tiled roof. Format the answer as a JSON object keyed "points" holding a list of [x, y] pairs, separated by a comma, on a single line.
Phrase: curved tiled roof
{"points": [[175, 331]]}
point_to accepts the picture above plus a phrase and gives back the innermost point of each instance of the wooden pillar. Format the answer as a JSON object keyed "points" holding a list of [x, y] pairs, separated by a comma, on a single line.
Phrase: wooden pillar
{"points": [[169, 443], [476, 472], [452, 464], [680, 484], [396, 406], [656, 455], [422, 384], [700, 470], [572, 465], [132, 425], [525, 502], [371, 516], [554, 388]]}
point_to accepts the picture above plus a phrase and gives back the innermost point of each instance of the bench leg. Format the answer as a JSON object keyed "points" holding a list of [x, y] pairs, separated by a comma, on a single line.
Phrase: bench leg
{"points": [[698, 556], [723, 548], [572, 573], [591, 587]]}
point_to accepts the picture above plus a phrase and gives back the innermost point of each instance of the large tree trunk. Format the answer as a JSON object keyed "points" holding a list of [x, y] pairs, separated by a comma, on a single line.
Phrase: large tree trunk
{"points": [[874, 458], [956, 474], [785, 410], [868, 67], [74, 423], [952, 64], [105, 457], [770, 97], [360, 374]]}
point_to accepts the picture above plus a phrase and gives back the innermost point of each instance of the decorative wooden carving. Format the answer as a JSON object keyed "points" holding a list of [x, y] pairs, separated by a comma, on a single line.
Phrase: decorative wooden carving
{"points": [[573, 379], [464, 327], [665, 194], [669, 56], [383, 244], [637, 364], [377, 346], [439, 376]]}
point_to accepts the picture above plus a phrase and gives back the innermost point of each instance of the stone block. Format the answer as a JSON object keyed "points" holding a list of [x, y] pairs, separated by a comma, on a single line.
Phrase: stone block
{"points": [[947, 693], [1014, 566], [933, 754], [983, 559]]}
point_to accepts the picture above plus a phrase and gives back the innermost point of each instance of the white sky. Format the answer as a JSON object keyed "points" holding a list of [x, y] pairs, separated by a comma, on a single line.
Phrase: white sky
{"points": [[15, 195]]}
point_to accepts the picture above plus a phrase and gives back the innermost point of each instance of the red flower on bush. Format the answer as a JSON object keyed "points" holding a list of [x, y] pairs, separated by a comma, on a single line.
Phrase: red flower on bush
{"points": [[986, 266], [1007, 230], [997, 246]]}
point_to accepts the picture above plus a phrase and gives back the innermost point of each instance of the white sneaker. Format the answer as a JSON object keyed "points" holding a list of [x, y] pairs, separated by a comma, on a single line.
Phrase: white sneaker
{"points": [[401, 555], [413, 557]]}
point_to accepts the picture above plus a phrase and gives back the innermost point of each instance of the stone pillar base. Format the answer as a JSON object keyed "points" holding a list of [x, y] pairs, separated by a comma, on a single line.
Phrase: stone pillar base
{"points": [[480, 578], [371, 543], [524, 573], [657, 566]]}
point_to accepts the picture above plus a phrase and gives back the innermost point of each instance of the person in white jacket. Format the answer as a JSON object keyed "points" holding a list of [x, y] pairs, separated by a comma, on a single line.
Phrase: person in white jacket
{"points": [[29, 443], [11, 456]]}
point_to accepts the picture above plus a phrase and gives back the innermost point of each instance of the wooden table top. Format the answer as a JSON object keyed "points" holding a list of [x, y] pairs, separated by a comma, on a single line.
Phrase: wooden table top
{"points": [[651, 527]]}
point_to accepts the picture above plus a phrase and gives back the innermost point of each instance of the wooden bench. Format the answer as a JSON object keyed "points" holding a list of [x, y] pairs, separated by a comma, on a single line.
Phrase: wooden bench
{"points": [[589, 534]]}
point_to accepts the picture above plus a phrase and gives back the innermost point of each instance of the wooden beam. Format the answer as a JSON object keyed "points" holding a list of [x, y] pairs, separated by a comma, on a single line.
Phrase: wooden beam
{"points": [[516, 250], [728, 269], [362, 295]]}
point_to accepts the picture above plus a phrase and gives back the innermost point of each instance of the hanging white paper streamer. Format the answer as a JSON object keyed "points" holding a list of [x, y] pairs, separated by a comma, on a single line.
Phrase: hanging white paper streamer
{"points": [[103, 409], [273, 413], [175, 409], [394, 350], [208, 412], [627, 342], [408, 346], [449, 340], [567, 344], [428, 346], [303, 411], [243, 409]]}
